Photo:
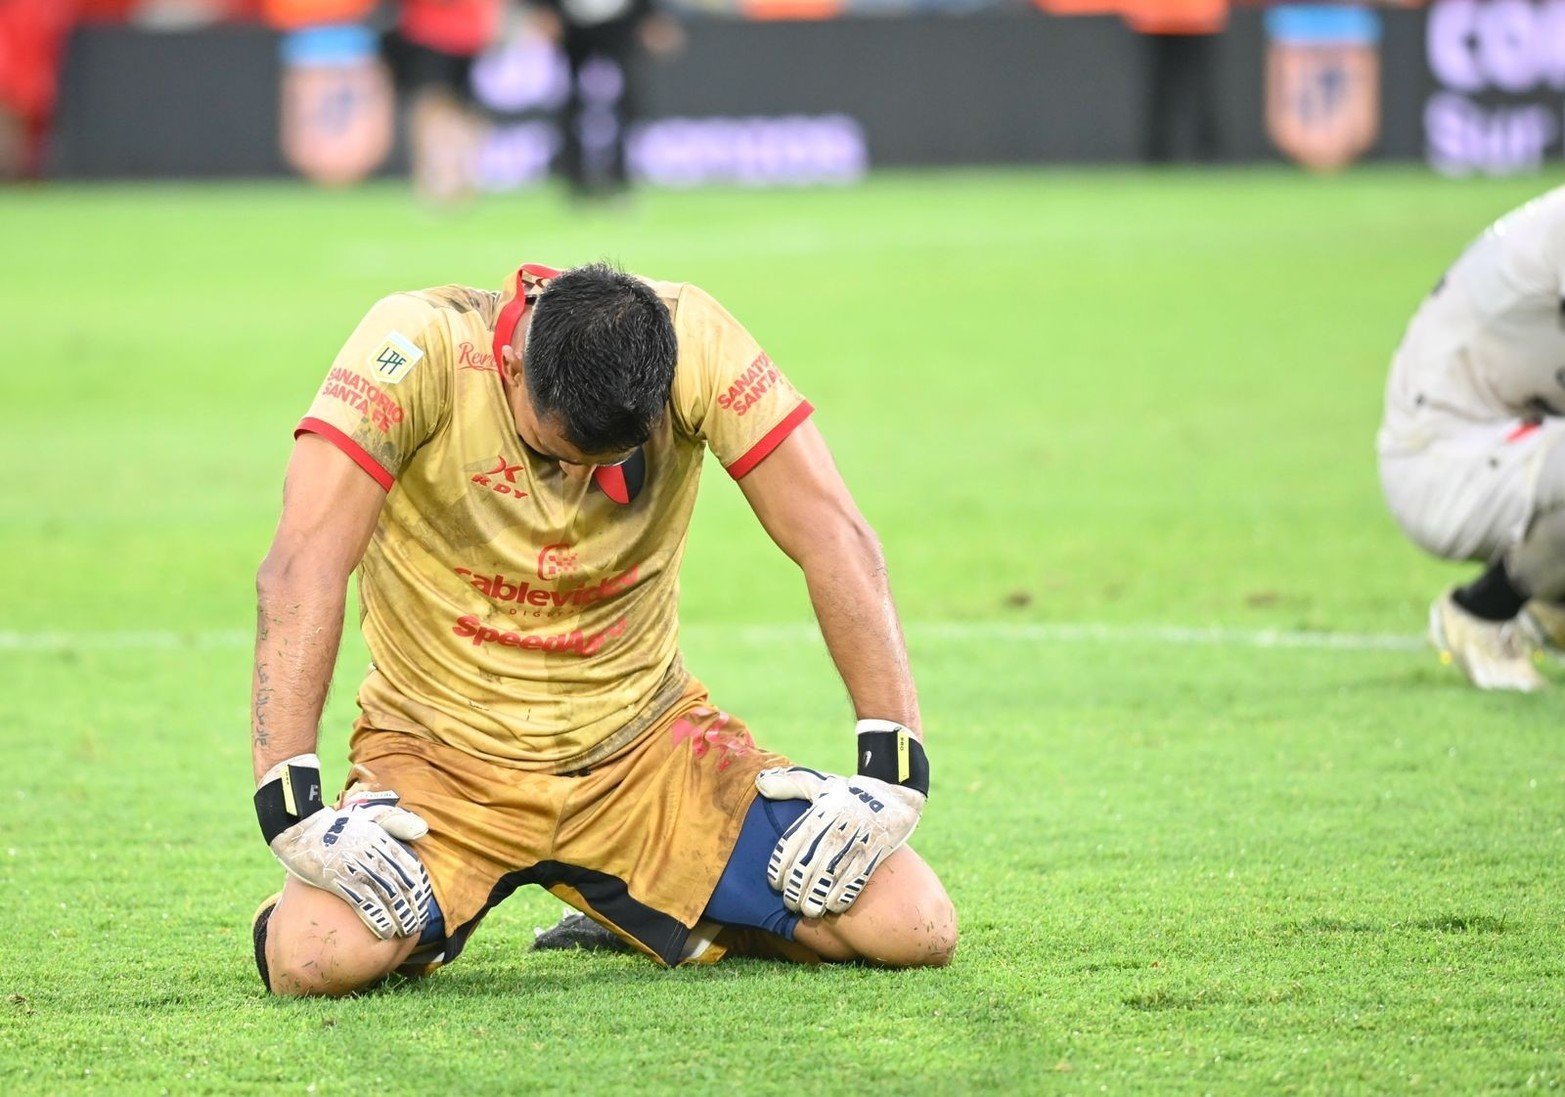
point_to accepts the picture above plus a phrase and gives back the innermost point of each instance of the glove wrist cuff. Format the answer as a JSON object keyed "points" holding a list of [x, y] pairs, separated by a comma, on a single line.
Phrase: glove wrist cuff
{"points": [[289, 793], [889, 752]]}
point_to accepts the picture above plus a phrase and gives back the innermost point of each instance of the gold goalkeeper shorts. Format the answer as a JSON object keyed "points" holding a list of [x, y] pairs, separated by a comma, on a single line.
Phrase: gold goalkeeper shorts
{"points": [[637, 842]]}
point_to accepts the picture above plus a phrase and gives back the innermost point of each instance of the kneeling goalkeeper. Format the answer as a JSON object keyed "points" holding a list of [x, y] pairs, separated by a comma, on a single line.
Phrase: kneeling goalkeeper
{"points": [[512, 474]]}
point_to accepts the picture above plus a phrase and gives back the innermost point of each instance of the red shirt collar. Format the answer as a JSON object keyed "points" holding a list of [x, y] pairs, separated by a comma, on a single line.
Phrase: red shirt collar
{"points": [[529, 280]]}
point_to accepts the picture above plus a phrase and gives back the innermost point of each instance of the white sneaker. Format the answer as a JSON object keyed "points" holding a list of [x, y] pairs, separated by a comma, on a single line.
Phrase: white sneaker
{"points": [[1493, 654]]}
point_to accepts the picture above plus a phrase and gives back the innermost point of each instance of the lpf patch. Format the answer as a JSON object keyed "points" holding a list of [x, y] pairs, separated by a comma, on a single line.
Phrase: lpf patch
{"points": [[394, 359]]}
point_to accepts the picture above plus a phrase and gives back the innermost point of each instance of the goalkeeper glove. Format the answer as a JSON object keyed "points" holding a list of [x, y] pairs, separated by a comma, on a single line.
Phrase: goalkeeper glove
{"points": [[355, 852], [822, 862]]}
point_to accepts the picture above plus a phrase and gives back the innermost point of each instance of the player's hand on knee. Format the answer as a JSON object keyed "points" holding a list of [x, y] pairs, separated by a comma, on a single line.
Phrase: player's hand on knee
{"points": [[822, 862], [355, 852]]}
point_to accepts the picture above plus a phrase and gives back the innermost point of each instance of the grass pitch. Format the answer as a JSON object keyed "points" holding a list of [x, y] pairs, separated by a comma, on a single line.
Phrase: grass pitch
{"points": [[1116, 432]]}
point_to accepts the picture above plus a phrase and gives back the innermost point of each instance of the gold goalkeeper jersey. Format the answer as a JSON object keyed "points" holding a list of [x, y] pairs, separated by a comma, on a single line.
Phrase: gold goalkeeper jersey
{"points": [[516, 612]]}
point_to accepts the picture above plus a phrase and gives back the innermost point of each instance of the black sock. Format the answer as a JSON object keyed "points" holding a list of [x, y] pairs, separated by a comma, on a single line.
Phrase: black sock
{"points": [[1494, 595]]}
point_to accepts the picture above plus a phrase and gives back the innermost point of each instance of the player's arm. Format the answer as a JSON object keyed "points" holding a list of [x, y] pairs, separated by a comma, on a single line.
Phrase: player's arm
{"points": [[383, 397], [807, 510], [823, 862], [330, 507]]}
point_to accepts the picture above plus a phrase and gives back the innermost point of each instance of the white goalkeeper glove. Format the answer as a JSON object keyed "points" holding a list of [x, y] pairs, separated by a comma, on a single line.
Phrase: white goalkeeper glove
{"points": [[822, 862], [355, 852]]}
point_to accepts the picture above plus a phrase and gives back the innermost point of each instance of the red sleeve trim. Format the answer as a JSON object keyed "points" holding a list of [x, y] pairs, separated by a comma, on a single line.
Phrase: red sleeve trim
{"points": [[772, 439], [309, 425]]}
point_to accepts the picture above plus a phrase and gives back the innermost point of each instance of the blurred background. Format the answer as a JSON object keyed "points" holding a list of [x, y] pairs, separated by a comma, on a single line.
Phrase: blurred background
{"points": [[490, 95]]}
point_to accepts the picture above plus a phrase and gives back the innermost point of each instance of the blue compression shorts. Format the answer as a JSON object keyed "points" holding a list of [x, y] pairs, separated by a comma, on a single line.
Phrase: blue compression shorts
{"points": [[743, 897]]}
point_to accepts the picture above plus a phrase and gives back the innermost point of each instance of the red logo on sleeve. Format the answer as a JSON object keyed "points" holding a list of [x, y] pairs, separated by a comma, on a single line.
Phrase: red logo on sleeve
{"points": [[748, 388], [364, 397]]}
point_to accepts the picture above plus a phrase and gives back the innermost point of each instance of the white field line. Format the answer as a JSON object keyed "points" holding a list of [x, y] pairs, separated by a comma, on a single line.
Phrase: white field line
{"points": [[949, 632], [136, 640]]}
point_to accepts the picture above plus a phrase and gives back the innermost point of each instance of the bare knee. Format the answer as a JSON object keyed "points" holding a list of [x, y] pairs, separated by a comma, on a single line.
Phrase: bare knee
{"points": [[928, 934], [316, 946], [300, 967], [903, 919], [940, 944]]}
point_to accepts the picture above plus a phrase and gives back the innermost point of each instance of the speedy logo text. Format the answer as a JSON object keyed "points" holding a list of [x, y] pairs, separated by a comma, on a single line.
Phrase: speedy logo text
{"points": [[575, 642]]}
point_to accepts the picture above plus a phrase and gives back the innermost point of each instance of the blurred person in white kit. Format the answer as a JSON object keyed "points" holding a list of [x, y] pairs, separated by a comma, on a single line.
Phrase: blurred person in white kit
{"points": [[1469, 447]]}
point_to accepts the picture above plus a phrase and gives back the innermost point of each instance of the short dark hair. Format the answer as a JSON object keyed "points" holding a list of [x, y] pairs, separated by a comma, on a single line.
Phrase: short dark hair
{"points": [[600, 356]]}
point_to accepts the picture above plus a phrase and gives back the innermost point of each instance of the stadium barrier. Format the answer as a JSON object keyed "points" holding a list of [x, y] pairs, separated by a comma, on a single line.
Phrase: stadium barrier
{"points": [[1459, 83]]}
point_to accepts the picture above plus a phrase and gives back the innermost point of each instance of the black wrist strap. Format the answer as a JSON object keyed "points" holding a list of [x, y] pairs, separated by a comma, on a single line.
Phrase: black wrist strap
{"points": [[288, 798], [894, 757]]}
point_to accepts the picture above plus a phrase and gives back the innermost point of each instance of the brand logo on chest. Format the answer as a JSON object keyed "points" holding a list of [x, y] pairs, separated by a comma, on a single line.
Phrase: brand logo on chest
{"points": [[473, 357], [576, 642], [501, 589], [557, 561], [501, 479]]}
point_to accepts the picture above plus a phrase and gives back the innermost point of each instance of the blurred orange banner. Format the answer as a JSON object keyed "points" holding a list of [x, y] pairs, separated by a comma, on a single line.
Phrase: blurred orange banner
{"points": [[790, 9], [1150, 16], [293, 14]]}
